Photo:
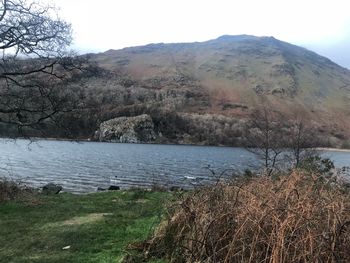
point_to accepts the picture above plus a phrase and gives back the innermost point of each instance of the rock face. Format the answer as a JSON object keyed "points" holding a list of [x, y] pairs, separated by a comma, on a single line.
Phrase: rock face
{"points": [[136, 129]]}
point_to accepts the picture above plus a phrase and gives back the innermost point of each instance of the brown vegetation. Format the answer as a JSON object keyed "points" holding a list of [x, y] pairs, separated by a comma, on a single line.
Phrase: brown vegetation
{"points": [[299, 217], [11, 191]]}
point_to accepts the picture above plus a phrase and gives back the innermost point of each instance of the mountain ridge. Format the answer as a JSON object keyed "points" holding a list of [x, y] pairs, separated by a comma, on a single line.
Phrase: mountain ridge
{"points": [[277, 48], [223, 38]]}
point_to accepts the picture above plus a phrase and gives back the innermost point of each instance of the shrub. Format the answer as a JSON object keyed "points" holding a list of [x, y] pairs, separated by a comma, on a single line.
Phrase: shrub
{"points": [[318, 165], [10, 190], [346, 145], [294, 218]]}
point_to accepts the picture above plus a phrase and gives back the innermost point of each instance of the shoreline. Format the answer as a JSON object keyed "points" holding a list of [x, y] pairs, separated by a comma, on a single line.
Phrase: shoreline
{"points": [[35, 139]]}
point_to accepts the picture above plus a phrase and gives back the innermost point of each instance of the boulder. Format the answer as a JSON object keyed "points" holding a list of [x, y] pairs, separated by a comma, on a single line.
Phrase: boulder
{"points": [[51, 189], [138, 129], [114, 188]]}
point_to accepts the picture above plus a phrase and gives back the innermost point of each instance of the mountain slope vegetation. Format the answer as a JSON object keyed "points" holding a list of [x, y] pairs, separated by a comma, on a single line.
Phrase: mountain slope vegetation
{"points": [[203, 92]]}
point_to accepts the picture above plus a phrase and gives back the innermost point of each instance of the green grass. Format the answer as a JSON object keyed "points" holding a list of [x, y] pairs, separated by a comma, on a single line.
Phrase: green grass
{"points": [[97, 227]]}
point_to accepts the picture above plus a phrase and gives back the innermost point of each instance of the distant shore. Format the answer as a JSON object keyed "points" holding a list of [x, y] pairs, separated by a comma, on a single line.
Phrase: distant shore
{"points": [[332, 149]]}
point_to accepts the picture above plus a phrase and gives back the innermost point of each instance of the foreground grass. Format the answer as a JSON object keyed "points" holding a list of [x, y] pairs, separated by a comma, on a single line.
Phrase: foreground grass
{"points": [[92, 228]]}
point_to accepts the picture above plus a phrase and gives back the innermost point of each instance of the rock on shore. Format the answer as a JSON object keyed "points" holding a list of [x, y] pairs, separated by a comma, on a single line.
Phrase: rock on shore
{"points": [[136, 129]]}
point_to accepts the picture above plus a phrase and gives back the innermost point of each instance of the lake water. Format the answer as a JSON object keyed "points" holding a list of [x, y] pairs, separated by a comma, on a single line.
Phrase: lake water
{"points": [[85, 166]]}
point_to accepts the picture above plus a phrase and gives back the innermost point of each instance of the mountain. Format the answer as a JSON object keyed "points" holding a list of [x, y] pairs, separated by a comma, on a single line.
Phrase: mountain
{"points": [[234, 69], [203, 92], [224, 78]]}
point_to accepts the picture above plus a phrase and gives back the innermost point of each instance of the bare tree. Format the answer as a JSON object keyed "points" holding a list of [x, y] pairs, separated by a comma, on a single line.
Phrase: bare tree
{"points": [[265, 136], [34, 64], [301, 137]]}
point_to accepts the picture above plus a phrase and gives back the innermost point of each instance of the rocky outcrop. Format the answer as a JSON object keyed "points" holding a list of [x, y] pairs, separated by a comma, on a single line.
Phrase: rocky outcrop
{"points": [[136, 129]]}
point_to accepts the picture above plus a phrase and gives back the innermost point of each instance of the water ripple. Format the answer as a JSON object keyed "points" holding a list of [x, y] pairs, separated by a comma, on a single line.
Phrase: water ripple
{"points": [[83, 167]]}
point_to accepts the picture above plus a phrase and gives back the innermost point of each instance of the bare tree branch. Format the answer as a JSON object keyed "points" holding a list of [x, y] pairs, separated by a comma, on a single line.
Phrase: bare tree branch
{"points": [[35, 64], [278, 140]]}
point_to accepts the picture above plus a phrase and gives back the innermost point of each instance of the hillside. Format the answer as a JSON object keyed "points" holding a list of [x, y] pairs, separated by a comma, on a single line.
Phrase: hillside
{"points": [[228, 76], [202, 92]]}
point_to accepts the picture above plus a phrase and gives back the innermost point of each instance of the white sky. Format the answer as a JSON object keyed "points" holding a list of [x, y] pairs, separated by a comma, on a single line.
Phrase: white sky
{"points": [[99, 25]]}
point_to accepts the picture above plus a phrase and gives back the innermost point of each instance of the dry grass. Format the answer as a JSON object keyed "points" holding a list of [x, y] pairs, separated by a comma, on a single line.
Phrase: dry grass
{"points": [[300, 217], [10, 190]]}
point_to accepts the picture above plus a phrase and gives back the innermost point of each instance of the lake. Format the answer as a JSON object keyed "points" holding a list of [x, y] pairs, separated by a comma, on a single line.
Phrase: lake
{"points": [[82, 167]]}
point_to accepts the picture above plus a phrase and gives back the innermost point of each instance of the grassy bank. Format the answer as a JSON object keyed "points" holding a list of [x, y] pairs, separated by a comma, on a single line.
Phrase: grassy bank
{"points": [[301, 215], [77, 228]]}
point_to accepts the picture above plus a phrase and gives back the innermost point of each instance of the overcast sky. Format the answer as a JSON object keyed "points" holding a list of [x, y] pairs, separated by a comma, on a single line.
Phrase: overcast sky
{"points": [[322, 26]]}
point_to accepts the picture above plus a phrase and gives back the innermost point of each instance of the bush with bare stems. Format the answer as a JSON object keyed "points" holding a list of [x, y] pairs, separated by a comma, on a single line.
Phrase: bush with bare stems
{"points": [[299, 216]]}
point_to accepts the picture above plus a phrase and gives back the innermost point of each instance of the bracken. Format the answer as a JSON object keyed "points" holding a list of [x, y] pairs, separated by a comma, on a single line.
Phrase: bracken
{"points": [[298, 217]]}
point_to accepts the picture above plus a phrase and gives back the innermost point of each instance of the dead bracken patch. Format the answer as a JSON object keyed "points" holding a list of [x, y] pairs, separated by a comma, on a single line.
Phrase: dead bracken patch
{"points": [[87, 219], [298, 217], [79, 220]]}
